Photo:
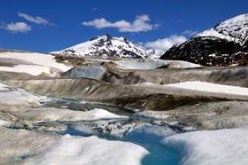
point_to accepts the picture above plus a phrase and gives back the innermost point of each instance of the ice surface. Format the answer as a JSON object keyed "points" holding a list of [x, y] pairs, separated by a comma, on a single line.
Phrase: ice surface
{"points": [[155, 63], [37, 63], [211, 87], [94, 72], [4, 87], [116, 128], [227, 146], [96, 114], [13, 96], [17, 144], [89, 151]]}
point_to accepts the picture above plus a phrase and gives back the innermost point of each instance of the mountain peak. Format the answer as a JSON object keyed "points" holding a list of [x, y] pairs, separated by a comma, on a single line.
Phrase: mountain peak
{"points": [[105, 37], [234, 29], [105, 46]]}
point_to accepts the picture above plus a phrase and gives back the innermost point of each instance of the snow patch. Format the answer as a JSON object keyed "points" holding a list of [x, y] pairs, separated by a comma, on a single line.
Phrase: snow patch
{"points": [[37, 63], [211, 87], [97, 114], [227, 146], [90, 151], [5, 123], [30, 69]]}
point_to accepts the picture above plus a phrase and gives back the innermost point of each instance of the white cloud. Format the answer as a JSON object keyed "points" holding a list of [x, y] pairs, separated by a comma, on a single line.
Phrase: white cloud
{"points": [[140, 24], [18, 27], [37, 19], [162, 45]]}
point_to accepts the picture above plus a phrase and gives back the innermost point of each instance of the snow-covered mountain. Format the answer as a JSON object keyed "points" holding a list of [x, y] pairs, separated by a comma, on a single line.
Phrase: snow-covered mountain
{"points": [[105, 46], [234, 29], [224, 44]]}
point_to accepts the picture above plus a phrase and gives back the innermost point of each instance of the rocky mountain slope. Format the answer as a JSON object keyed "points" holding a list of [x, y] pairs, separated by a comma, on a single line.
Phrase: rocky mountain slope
{"points": [[224, 44], [105, 46]]}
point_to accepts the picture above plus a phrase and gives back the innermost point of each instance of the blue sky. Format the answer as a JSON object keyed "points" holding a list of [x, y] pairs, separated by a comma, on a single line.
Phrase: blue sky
{"points": [[47, 25]]}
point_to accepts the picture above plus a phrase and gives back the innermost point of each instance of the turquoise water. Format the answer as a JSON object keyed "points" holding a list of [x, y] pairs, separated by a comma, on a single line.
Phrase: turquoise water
{"points": [[158, 153]]}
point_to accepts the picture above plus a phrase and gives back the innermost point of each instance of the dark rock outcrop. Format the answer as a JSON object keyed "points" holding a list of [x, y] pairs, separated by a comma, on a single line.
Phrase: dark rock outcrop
{"points": [[204, 50], [223, 45]]}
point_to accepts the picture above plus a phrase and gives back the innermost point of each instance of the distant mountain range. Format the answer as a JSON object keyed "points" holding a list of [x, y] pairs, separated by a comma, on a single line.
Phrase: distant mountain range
{"points": [[224, 44]]}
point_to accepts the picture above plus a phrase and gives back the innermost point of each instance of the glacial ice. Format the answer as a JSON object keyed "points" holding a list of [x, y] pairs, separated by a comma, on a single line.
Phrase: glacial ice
{"points": [[226, 146], [14, 96], [42, 114], [94, 72], [89, 151]]}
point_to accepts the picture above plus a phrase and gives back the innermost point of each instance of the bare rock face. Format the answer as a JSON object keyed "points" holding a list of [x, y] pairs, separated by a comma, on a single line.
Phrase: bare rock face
{"points": [[217, 46]]}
